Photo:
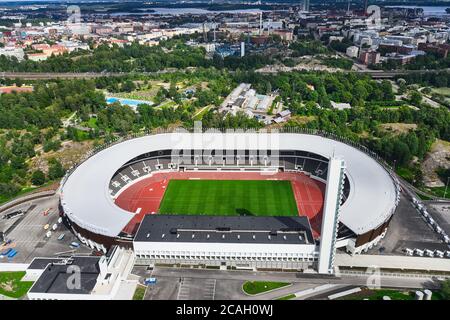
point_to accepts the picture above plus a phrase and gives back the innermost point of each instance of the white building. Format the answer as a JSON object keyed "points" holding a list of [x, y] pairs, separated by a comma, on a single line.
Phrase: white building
{"points": [[340, 106], [11, 51], [83, 277], [352, 51], [244, 98], [241, 242]]}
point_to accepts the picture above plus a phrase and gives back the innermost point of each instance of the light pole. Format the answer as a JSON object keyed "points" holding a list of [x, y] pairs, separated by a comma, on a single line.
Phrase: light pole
{"points": [[446, 186]]}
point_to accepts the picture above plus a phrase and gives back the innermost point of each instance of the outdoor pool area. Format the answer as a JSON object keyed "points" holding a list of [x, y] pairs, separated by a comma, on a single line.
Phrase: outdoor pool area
{"points": [[128, 102]]}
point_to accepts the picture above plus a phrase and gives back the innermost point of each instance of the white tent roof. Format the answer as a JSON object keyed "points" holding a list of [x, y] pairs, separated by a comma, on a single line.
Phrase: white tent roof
{"points": [[86, 199]]}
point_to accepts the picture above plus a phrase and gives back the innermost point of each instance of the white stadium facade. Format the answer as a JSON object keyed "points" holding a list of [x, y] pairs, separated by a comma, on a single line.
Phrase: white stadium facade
{"points": [[360, 199]]}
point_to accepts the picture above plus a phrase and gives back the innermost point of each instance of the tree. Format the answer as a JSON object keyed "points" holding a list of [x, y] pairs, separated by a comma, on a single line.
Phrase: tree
{"points": [[401, 153], [128, 86], [8, 189], [415, 98], [38, 178], [444, 174], [55, 169], [445, 289], [268, 87], [401, 85], [426, 90]]}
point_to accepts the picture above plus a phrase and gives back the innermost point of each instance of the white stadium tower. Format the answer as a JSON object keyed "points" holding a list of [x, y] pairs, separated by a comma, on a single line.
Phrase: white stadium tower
{"points": [[360, 199]]}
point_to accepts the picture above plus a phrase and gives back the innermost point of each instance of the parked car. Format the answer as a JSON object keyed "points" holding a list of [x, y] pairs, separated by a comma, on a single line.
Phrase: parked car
{"points": [[150, 281], [74, 245]]}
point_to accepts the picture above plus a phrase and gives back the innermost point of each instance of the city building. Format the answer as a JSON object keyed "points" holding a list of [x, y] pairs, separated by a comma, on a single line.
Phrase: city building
{"points": [[369, 57], [83, 277]]}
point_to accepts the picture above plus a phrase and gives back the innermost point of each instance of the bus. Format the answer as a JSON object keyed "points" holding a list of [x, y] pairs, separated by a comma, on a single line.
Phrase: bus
{"points": [[14, 214]]}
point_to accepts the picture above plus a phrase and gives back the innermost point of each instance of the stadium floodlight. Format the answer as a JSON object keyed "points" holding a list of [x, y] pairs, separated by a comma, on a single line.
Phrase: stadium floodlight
{"points": [[331, 211]]}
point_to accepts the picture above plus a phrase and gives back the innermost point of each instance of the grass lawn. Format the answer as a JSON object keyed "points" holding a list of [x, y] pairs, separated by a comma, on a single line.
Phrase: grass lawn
{"points": [[24, 191], [288, 297], [92, 123], [405, 173], [11, 286], [438, 191], [167, 104], [444, 91], [255, 287], [229, 197], [199, 115], [139, 293]]}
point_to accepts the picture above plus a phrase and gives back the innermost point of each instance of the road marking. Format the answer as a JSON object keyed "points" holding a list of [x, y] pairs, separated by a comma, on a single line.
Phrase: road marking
{"points": [[181, 294], [210, 288]]}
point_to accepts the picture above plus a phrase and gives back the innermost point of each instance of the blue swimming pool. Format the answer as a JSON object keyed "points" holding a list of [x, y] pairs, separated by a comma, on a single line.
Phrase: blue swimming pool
{"points": [[128, 102]]}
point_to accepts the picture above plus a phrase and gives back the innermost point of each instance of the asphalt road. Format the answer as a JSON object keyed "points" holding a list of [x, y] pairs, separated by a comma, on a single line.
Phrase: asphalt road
{"points": [[204, 284]]}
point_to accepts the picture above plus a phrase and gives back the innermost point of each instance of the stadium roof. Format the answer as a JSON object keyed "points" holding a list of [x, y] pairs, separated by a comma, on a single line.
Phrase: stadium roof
{"points": [[225, 229], [87, 201]]}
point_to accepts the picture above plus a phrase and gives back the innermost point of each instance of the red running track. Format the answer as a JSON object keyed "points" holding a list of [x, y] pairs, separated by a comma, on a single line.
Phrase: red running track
{"points": [[144, 197]]}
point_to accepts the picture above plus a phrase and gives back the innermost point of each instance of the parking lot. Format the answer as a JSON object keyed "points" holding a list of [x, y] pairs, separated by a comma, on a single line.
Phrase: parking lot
{"points": [[175, 287], [204, 284], [28, 235], [408, 229], [441, 213], [197, 289]]}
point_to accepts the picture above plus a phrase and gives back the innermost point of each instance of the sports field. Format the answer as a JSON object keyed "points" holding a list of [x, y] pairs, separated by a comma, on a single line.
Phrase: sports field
{"points": [[229, 197]]}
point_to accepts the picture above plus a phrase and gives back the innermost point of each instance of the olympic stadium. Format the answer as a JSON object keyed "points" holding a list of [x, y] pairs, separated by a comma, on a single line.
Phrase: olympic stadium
{"points": [[256, 200]]}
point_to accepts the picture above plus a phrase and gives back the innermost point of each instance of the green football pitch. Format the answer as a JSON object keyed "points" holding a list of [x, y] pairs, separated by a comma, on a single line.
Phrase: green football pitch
{"points": [[229, 197]]}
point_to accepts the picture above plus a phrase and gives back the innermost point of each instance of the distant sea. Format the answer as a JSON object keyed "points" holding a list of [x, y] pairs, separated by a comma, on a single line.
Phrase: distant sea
{"points": [[427, 10], [178, 11]]}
